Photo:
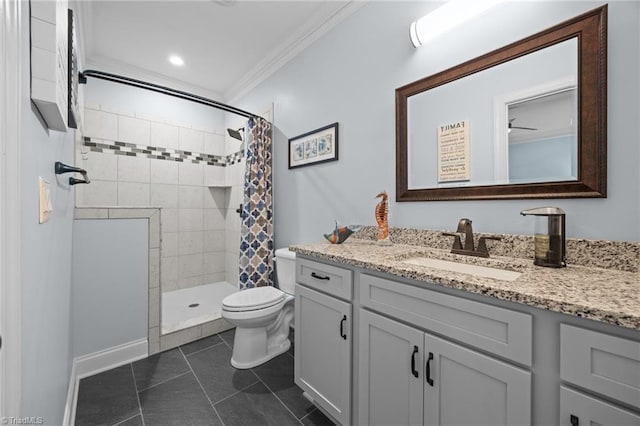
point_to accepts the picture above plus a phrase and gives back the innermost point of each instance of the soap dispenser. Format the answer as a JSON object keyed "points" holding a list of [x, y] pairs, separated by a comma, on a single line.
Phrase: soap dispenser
{"points": [[549, 240]]}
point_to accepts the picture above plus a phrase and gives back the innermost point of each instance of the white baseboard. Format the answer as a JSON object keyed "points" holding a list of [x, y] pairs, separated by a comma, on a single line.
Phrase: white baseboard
{"points": [[97, 362]]}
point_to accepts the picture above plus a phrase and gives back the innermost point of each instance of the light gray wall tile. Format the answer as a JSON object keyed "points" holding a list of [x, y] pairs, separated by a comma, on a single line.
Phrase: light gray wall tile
{"points": [[101, 166], [168, 285], [125, 213], [214, 262], [154, 307], [214, 278], [188, 282], [190, 219], [100, 193], [133, 194], [169, 220], [164, 135], [215, 327], [191, 140], [169, 244], [215, 241], [181, 337], [134, 130], [190, 265], [163, 195], [214, 219], [100, 124], [214, 144], [163, 171], [236, 195], [190, 174], [154, 340], [89, 213], [168, 270], [133, 169], [154, 230], [215, 175], [232, 242], [190, 242], [231, 267], [191, 197], [154, 267]]}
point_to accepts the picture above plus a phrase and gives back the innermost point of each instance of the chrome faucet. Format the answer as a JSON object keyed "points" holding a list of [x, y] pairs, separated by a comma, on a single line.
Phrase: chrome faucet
{"points": [[464, 228]]}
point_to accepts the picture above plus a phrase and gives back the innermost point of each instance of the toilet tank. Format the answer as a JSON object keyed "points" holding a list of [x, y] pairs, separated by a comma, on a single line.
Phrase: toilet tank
{"points": [[286, 270]]}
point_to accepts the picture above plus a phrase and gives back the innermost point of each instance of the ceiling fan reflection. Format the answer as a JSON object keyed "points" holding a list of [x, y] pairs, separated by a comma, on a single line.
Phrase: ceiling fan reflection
{"points": [[519, 127]]}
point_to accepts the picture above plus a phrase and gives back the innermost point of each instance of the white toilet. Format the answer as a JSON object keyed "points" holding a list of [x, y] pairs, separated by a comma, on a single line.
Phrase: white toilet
{"points": [[262, 316]]}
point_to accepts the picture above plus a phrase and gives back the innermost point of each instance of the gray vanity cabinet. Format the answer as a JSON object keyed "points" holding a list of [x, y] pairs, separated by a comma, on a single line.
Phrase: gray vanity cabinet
{"points": [[605, 365], [322, 366], [409, 377], [467, 388], [391, 374], [577, 409]]}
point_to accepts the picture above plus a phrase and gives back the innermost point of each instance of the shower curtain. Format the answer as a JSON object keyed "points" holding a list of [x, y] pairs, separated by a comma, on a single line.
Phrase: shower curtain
{"points": [[256, 233]]}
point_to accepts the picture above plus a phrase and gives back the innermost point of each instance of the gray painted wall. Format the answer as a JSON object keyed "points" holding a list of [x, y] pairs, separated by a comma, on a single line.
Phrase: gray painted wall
{"points": [[350, 75], [110, 283], [45, 257]]}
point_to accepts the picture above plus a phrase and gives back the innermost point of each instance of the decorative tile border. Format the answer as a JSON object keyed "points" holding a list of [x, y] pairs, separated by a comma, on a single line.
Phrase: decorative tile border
{"points": [[159, 153]]}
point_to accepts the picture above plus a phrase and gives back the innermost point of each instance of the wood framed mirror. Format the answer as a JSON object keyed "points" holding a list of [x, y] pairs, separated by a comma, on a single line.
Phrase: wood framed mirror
{"points": [[442, 123]]}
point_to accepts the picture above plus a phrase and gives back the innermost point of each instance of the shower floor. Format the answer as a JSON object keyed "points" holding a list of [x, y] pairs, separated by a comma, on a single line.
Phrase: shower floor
{"points": [[177, 313]]}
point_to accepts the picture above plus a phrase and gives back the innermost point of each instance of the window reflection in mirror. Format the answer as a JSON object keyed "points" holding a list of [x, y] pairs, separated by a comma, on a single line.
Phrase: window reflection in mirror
{"points": [[543, 138]]}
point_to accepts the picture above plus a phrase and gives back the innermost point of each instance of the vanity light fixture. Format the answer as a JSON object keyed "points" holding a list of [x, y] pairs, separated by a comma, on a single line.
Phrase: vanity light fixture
{"points": [[176, 60], [446, 17]]}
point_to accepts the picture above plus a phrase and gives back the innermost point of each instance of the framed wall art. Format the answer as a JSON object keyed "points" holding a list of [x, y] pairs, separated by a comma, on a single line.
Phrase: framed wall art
{"points": [[317, 146]]}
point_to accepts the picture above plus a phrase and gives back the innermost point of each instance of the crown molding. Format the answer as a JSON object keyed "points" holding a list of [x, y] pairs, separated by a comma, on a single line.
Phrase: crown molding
{"points": [[126, 70], [290, 48]]}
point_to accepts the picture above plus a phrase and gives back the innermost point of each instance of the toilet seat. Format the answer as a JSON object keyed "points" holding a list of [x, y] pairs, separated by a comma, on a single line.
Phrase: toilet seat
{"points": [[253, 299]]}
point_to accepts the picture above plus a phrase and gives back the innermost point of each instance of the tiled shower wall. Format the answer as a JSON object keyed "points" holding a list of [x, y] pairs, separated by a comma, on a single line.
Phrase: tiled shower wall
{"points": [[193, 174]]}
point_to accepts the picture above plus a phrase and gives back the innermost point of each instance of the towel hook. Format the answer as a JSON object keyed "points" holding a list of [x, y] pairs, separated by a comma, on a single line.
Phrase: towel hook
{"points": [[61, 168]]}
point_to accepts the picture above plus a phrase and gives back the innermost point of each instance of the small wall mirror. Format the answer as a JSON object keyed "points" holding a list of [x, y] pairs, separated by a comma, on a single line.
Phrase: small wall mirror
{"points": [[524, 121]]}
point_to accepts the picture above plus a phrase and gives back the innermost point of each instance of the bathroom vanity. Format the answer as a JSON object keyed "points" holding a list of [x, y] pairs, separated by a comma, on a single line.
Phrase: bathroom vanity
{"points": [[383, 337]]}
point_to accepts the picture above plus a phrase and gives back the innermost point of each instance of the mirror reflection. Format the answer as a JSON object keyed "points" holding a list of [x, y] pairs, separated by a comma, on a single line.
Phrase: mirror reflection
{"points": [[527, 120], [543, 138], [521, 95]]}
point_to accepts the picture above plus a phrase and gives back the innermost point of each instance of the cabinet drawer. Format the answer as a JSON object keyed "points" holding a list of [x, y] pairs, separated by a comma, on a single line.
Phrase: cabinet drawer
{"points": [[326, 278], [500, 331], [602, 363], [585, 410]]}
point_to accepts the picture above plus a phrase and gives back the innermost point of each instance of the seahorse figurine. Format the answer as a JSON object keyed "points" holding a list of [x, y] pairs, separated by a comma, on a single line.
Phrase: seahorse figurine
{"points": [[382, 217]]}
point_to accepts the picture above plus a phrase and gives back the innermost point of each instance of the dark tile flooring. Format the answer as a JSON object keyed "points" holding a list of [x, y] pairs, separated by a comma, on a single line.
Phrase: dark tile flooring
{"points": [[195, 384]]}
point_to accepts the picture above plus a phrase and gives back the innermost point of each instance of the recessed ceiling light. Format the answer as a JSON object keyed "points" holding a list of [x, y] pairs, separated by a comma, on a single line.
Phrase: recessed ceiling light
{"points": [[176, 60]]}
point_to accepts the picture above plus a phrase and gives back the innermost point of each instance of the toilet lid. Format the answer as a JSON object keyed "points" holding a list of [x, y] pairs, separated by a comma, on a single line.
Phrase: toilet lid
{"points": [[253, 298]]}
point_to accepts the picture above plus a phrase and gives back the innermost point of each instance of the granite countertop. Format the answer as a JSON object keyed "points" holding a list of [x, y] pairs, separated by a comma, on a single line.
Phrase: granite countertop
{"points": [[608, 295]]}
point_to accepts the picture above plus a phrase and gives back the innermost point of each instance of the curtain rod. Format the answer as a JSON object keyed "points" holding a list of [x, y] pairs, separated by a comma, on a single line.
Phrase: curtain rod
{"points": [[162, 89]]}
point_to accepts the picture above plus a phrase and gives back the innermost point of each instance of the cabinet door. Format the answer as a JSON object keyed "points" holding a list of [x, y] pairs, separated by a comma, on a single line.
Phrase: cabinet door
{"points": [[323, 351], [469, 388], [577, 409], [389, 391]]}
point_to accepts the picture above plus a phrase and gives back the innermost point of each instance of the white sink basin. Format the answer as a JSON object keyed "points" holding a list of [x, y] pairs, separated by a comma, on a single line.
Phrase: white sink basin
{"points": [[464, 268]]}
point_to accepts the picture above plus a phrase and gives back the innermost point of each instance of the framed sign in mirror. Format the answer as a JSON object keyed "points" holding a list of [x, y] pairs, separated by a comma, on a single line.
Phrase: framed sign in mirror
{"points": [[528, 120]]}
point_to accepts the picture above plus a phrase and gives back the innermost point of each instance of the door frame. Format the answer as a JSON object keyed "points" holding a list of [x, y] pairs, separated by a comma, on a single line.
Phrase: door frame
{"points": [[10, 91]]}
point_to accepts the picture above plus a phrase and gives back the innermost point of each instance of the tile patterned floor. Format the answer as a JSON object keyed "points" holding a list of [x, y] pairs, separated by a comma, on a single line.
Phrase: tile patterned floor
{"points": [[196, 385]]}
